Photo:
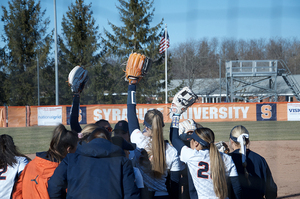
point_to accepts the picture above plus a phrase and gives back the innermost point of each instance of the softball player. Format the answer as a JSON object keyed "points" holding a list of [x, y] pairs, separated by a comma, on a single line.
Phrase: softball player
{"points": [[98, 169], [254, 173], [208, 167], [153, 156], [188, 189], [12, 164], [33, 181]]}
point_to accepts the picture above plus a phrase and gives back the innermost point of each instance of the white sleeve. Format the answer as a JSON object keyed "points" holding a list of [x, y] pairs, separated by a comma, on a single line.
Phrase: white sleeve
{"points": [[230, 166], [172, 158], [22, 162], [176, 164], [186, 153], [139, 139]]}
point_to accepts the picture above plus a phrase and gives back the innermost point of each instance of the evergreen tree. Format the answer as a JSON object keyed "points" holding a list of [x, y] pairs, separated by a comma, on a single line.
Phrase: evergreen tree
{"points": [[24, 36], [3, 76], [78, 46], [135, 35]]}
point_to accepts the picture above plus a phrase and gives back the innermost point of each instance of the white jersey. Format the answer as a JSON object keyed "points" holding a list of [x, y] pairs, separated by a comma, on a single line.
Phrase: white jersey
{"points": [[172, 161], [198, 163], [9, 175]]}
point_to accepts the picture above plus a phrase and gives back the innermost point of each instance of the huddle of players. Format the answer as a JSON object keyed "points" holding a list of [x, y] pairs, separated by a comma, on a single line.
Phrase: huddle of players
{"points": [[92, 164]]}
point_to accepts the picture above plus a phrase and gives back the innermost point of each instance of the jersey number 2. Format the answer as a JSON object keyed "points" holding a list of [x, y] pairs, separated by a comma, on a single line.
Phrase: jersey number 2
{"points": [[3, 171], [204, 167]]}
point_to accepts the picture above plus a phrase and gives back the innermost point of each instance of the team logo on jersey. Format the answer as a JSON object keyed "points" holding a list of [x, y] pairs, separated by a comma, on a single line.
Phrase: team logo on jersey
{"points": [[266, 111], [34, 180], [81, 116]]}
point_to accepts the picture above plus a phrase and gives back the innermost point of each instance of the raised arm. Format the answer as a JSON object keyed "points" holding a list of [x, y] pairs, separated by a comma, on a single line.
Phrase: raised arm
{"points": [[75, 113], [77, 79], [174, 137], [133, 122]]}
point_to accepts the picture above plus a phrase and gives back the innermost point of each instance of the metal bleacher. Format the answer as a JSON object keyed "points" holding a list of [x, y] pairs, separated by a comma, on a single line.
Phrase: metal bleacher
{"points": [[289, 79], [254, 80]]}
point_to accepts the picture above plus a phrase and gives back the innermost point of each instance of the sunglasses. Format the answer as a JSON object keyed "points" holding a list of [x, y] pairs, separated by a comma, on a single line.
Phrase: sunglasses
{"points": [[109, 129]]}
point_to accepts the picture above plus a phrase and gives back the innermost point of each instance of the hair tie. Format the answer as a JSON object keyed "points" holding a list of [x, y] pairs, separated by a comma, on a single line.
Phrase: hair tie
{"points": [[241, 140]]}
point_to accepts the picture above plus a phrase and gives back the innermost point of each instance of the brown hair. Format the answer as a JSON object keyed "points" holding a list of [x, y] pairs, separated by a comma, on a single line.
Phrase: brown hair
{"points": [[86, 131], [8, 151], [99, 132], [61, 140], [102, 123], [217, 166], [157, 150]]}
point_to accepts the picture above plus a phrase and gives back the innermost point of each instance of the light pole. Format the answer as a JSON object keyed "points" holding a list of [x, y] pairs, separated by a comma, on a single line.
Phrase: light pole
{"points": [[56, 67], [38, 78]]}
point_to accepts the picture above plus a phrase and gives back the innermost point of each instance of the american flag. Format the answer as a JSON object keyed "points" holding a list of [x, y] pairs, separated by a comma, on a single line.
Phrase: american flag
{"points": [[163, 40]]}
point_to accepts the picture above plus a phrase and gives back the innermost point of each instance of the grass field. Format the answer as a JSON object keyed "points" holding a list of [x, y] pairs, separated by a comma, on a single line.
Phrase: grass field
{"points": [[37, 138]]}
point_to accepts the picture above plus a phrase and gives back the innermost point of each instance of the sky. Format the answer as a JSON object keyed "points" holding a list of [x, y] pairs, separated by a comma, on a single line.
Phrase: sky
{"points": [[197, 19]]}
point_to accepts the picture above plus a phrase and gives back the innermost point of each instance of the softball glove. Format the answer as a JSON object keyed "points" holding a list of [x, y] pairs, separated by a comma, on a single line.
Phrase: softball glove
{"points": [[137, 67], [182, 100], [77, 79], [186, 126], [222, 147]]}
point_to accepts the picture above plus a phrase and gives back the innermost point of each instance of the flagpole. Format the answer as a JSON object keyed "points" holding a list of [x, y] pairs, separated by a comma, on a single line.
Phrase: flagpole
{"points": [[166, 64]]}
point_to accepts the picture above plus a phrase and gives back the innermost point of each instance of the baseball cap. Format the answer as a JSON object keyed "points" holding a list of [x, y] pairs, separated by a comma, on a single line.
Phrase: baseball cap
{"points": [[119, 141], [194, 136], [122, 125]]}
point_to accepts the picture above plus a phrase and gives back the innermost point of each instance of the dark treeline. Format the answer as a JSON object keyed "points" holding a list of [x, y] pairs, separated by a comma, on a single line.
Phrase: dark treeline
{"points": [[28, 42]]}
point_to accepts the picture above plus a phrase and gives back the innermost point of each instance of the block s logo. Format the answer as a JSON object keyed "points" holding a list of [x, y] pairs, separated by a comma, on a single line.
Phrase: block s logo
{"points": [[266, 112]]}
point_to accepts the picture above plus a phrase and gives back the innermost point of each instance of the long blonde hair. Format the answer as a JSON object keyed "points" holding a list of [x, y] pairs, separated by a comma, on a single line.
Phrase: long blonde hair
{"points": [[217, 166], [157, 151], [235, 133]]}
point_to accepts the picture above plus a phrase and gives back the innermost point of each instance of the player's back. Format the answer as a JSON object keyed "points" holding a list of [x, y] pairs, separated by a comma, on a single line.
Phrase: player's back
{"points": [[9, 175], [199, 166], [200, 172]]}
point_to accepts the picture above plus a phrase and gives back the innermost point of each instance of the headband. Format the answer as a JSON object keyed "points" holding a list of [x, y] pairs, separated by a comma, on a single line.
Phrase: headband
{"points": [[149, 126], [198, 139]]}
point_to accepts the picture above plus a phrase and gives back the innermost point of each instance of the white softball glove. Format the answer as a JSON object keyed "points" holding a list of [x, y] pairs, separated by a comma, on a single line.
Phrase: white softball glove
{"points": [[77, 79], [182, 100], [188, 125], [222, 147]]}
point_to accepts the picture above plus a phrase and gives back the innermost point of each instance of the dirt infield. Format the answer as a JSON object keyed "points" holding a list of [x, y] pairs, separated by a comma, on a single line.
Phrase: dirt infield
{"points": [[283, 158]]}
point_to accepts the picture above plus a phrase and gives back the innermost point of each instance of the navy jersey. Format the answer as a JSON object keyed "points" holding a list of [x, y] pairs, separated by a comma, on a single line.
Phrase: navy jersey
{"points": [[260, 177]]}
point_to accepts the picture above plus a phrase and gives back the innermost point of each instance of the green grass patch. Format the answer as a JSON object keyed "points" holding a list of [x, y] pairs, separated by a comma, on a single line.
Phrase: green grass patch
{"points": [[37, 138]]}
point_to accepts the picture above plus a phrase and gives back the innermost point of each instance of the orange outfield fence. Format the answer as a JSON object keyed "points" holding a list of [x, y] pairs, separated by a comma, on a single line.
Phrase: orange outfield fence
{"points": [[21, 116]]}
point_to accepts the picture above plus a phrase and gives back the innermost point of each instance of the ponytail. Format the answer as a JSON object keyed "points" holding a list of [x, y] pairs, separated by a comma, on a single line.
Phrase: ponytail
{"points": [[240, 135], [217, 166], [61, 140], [156, 152], [217, 172]]}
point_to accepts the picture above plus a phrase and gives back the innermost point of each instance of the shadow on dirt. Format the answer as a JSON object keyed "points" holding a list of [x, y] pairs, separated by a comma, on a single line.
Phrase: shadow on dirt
{"points": [[289, 196]]}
